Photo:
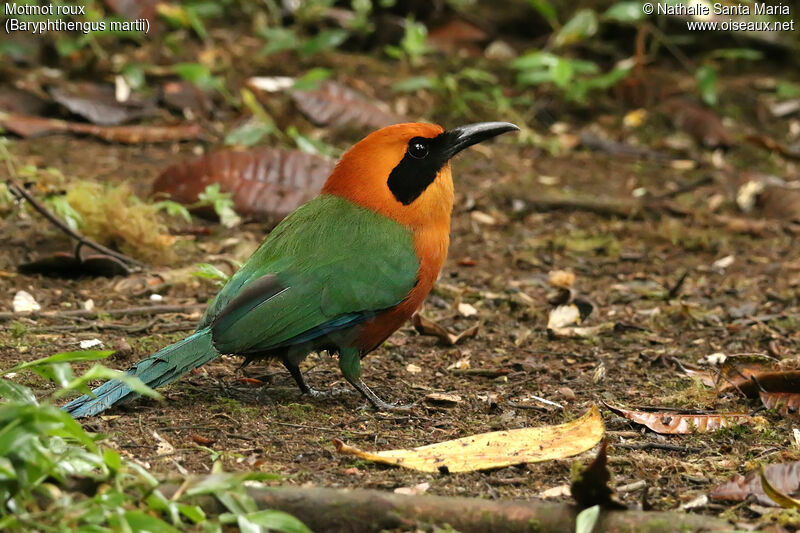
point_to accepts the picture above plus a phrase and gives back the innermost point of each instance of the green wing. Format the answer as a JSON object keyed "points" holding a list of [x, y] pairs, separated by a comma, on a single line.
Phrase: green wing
{"points": [[327, 266]]}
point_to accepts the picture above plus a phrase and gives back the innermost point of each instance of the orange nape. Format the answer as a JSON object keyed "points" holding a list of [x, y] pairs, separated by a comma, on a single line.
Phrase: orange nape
{"points": [[361, 176]]}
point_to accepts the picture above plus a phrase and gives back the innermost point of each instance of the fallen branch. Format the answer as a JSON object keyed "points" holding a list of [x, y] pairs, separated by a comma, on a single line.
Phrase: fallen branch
{"points": [[363, 511], [146, 310], [20, 192]]}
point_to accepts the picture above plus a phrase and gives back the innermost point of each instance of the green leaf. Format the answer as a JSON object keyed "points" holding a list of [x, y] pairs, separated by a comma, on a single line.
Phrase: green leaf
{"points": [[196, 22], [16, 393], [249, 134], [786, 90], [197, 74], [246, 526], [58, 373], [562, 73], [324, 41], [625, 12], [535, 60], [277, 521], [141, 521], [311, 79], [278, 40], [546, 10], [227, 481], [581, 26], [747, 54], [193, 512], [706, 78], [208, 271], [63, 357], [112, 459], [61, 207], [173, 209], [309, 145], [586, 519], [413, 84], [102, 372]]}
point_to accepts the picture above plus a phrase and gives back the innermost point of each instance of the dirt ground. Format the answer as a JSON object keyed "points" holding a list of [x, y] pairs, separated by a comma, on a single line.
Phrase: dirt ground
{"points": [[498, 262]]}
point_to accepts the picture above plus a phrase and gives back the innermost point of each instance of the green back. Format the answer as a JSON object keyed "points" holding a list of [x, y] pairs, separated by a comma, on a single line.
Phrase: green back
{"points": [[331, 260]]}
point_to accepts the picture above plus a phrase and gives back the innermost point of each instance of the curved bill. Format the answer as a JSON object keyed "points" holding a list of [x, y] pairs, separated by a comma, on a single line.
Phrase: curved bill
{"points": [[465, 136]]}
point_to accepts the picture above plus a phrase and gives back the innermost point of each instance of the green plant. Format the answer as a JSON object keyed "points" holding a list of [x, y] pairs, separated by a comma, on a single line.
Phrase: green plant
{"points": [[222, 204], [209, 271], [577, 78], [706, 78], [414, 44], [288, 39], [55, 476]]}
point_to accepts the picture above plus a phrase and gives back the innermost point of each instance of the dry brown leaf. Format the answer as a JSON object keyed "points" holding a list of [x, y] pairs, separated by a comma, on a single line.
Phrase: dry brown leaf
{"points": [[786, 403], [787, 381], [494, 450], [678, 422], [266, 183], [334, 104], [98, 104], [774, 494], [590, 487], [29, 126], [784, 477], [736, 371], [440, 398], [426, 326], [456, 35]]}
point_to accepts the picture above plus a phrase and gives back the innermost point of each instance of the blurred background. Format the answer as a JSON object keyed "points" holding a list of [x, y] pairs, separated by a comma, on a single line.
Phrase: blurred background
{"points": [[654, 182]]}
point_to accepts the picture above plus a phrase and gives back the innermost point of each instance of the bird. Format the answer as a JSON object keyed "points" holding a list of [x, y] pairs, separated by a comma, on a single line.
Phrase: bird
{"points": [[339, 274]]}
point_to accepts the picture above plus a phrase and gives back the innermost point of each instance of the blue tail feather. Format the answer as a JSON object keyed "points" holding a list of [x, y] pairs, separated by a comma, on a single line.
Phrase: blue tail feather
{"points": [[159, 369]]}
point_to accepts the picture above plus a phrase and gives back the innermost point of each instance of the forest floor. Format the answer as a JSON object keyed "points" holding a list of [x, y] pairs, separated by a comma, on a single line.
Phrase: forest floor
{"points": [[503, 247]]}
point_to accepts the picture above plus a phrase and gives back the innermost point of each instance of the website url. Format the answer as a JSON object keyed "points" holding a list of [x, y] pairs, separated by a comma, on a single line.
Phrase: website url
{"points": [[739, 25]]}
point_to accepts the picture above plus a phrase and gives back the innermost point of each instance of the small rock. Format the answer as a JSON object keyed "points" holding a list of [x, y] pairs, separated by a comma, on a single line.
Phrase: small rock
{"points": [[24, 303], [90, 343], [422, 488], [411, 368], [467, 310], [441, 398]]}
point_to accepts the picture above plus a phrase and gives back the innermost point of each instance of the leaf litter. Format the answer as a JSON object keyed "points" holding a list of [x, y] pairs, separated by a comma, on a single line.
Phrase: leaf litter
{"points": [[265, 183], [496, 449], [783, 477], [683, 422]]}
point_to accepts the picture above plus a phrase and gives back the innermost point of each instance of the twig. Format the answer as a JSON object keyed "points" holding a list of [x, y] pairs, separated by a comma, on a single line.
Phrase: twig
{"points": [[94, 313], [687, 187], [535, 398], [20, 192], [657, 446]]}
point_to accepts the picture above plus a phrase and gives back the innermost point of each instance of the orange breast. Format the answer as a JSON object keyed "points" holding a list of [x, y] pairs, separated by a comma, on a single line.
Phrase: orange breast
{"points": [[431, 244]]}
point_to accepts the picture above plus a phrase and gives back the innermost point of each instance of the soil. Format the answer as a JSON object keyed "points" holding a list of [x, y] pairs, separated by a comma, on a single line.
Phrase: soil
{"points": [[498, 264]]}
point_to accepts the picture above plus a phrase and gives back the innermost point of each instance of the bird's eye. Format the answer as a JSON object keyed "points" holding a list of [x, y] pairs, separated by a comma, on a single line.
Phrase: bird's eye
{"points": [[418, 149]]}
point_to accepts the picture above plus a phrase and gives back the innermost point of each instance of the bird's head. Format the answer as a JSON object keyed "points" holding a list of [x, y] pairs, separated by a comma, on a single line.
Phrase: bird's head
{"points": [[403, 171]]}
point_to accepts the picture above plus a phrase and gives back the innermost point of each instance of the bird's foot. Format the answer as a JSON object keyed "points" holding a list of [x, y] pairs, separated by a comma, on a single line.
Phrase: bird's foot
{"points": [[329, 393], [381, 405]]}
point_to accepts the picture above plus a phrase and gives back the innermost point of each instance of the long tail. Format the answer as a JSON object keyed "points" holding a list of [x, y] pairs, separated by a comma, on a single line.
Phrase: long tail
{"points": [[159, 369]]}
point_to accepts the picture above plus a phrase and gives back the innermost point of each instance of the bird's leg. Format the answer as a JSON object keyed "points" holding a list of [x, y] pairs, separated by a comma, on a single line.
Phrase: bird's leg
{"points": [[294, 370], [350, 365]]}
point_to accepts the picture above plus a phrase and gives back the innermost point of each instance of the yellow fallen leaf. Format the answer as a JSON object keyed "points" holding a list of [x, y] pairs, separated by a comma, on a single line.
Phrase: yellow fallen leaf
{"points": [[494, 450], [777, 496]]}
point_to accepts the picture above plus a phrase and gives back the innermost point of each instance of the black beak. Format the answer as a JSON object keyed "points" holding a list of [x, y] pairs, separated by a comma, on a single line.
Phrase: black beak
{"points": [[465, 136]]}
